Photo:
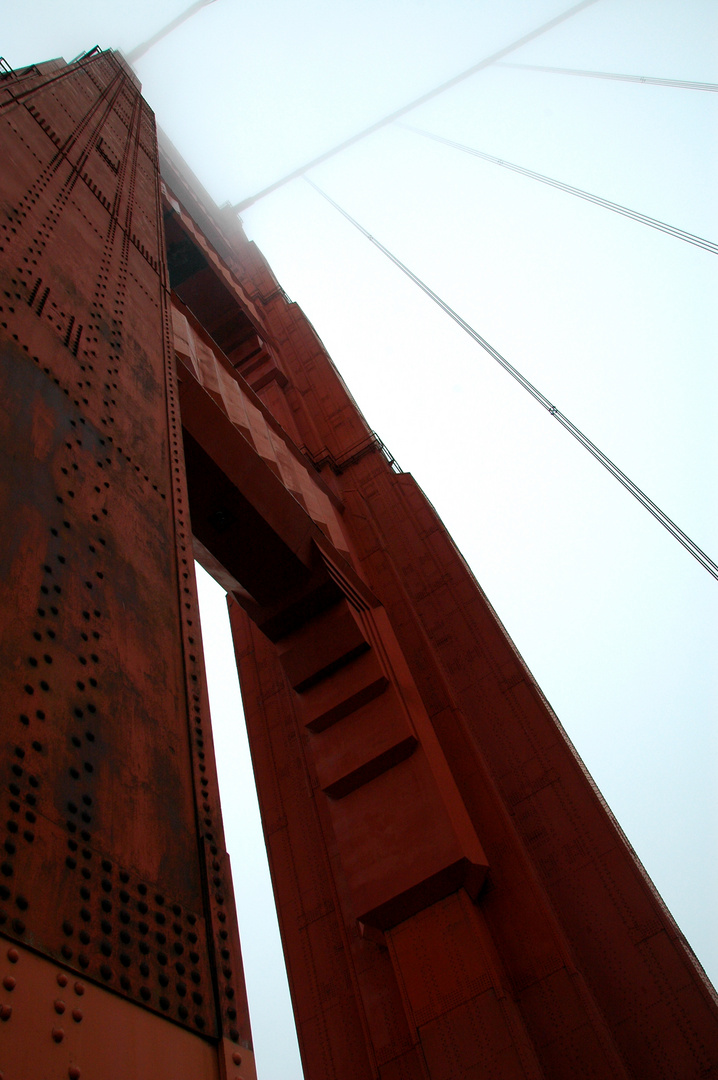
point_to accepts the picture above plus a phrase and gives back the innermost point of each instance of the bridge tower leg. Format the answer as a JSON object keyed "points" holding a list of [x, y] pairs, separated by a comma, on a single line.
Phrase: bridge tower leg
{"points": [[455, 899]]}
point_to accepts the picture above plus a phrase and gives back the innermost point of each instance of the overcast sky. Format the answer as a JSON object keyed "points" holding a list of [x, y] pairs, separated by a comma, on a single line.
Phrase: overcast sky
{"points": [[614, 321]]}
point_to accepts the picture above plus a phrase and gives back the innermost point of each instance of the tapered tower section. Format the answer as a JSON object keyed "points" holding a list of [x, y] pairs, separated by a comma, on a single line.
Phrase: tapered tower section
{"points": [[455, 899], [119, 955]]}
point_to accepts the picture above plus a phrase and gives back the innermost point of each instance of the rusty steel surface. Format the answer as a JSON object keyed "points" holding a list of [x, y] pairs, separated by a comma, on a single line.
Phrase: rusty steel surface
{"points": [[454, 897], [53, 1023], [113, 862]]}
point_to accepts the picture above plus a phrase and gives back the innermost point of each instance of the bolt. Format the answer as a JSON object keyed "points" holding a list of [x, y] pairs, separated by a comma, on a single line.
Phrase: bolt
{"points": [[61, 979], [237, 1058], [5, 1012], [8, 982], [73, 1072], [79, 989], [13, 956], [77, 1015], [58, 1034], [59, 1006]]}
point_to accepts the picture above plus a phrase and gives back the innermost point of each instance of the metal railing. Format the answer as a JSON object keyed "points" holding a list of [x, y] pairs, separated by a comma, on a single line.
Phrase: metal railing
{"points": [[370, 444]]}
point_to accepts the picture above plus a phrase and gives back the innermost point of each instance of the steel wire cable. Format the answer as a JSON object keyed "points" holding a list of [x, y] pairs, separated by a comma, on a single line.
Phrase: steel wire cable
{"points": [[139, 51], [681, 84], [597, 200], [618, 474], [473, 70]]}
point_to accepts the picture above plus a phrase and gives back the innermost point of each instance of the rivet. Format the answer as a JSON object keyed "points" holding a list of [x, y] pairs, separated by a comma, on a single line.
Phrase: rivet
{"points": [[13, 956], [237, 1058], [5, 1012], [79, 989], [8, 982], [77, 1015], [73, 1072], [58, 1035], [59, 1006], [61, 979]]}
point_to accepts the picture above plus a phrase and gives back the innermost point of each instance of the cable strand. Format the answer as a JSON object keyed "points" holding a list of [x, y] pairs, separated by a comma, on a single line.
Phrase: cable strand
{"points": [[681, 84], [597, 200], [244, 204], [648, 504]]}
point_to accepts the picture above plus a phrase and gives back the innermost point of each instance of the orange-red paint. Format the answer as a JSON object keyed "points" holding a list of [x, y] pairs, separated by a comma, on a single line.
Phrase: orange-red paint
{"points": [[454, 897]]}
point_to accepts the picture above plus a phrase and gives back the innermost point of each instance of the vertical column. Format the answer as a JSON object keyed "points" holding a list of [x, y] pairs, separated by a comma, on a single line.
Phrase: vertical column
{"points": [[114, 876]]}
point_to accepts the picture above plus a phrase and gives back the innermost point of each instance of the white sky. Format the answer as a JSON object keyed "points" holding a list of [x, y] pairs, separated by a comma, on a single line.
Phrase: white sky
{"points": [[613, 321]]}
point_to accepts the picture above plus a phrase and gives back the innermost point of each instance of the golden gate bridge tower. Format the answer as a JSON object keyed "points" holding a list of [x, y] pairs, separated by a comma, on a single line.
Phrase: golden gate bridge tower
{"points": [[456, 901]]}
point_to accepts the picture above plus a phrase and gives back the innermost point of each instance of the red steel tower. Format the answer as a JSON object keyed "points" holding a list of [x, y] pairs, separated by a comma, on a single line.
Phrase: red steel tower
{"points": [[455, 900]]}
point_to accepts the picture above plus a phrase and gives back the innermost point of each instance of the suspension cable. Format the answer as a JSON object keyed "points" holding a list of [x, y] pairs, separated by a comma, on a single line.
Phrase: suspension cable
{"points": [[251, 199], [648, 504], [139, 51], [681, 84], [597, 200]]}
